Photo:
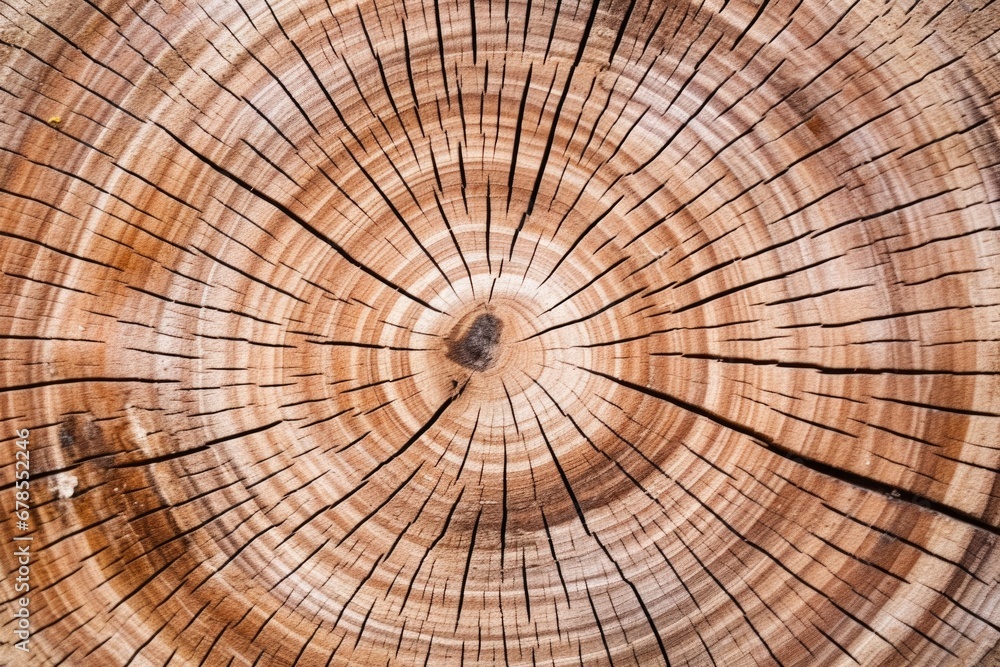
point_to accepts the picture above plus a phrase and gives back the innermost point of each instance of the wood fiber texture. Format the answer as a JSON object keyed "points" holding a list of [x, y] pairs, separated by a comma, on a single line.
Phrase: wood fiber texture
{"points": [[623, 332]]}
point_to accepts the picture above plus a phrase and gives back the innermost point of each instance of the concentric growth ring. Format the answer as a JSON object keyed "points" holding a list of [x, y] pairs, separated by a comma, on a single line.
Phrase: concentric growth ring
{"points": [[402, 333]]}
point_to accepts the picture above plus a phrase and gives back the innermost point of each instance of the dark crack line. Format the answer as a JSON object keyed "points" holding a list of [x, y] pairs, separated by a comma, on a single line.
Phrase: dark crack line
{"points": [[820, 467], [418, 433], [294, 217]]}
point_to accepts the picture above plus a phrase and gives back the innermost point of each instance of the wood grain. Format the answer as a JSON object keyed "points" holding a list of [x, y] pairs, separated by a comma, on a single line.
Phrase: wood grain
{"points": [[522, 333]]}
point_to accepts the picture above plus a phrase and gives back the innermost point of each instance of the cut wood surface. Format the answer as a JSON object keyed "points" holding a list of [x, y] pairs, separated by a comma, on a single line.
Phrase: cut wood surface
{"points": [[611, 332]]}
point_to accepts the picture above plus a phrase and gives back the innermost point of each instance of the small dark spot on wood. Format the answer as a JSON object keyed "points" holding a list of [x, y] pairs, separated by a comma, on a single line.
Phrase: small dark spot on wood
{"points": [[476, 349], [83, 439], [66, 438]]}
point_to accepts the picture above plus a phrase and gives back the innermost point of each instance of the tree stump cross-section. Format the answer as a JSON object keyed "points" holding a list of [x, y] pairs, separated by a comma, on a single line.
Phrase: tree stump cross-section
{"points": [[611, 332]]}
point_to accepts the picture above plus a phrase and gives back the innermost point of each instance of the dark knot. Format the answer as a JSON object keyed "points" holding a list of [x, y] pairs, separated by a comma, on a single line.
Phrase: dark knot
{"points": [[477, 348]]}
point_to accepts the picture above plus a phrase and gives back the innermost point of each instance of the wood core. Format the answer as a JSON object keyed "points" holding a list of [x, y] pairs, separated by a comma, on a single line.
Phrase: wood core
{"points": [[475, 348]]}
